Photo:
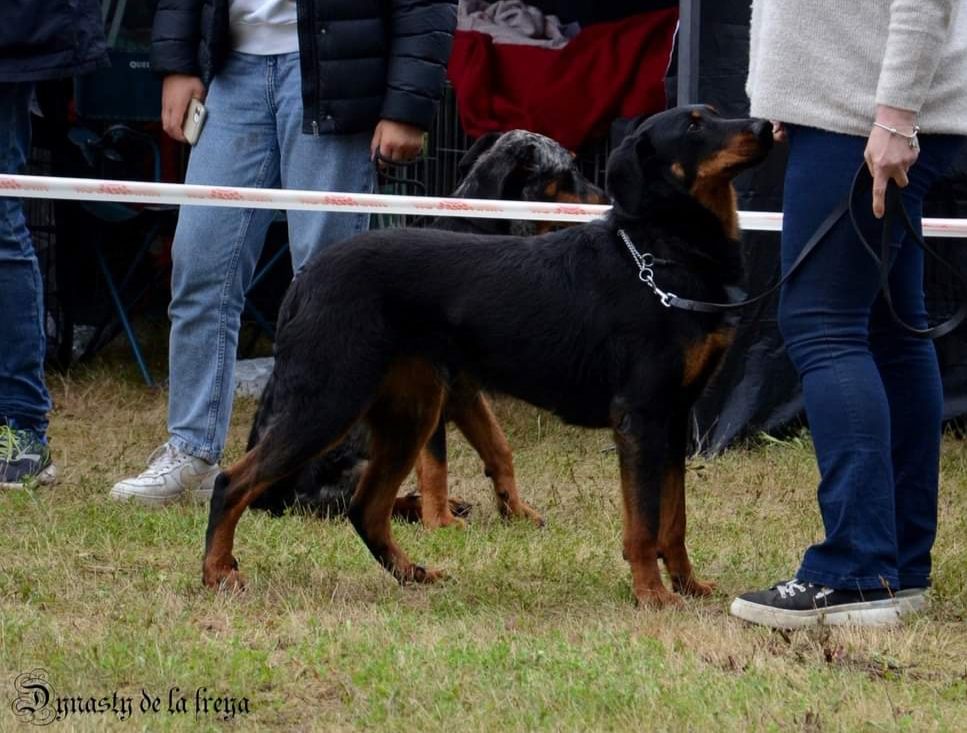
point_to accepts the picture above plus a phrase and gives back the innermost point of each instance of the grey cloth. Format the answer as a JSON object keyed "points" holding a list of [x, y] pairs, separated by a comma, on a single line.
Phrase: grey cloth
{"points": [[513, 21], [828, 63]]}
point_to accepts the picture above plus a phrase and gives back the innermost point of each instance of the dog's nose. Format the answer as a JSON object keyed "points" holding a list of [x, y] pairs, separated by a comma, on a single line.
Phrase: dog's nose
{"points": [[762, 128]]}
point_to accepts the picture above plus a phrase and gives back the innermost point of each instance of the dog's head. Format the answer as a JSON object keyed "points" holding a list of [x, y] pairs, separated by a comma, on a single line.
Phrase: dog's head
{"points": [[691, 149], [524, 166]]}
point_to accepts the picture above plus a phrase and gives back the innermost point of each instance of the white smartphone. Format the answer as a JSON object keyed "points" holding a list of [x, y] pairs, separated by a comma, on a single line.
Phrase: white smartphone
{"points": [[194, 121]]}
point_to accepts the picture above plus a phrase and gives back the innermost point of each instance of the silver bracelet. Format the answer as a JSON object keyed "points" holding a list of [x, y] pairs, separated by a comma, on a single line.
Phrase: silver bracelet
{"points": [[911, 139]]}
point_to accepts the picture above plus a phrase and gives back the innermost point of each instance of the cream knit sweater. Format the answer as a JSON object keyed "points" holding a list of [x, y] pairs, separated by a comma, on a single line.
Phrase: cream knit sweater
{"points": [[828, 63]]}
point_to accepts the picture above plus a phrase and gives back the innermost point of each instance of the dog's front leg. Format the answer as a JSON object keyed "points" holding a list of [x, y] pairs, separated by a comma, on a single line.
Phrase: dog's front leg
{"points": [[431, 478], [476, 420], [642, 443], [671, 532]]}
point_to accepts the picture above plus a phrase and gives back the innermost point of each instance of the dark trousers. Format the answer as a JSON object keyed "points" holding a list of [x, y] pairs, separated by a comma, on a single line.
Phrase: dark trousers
{"points": [[24, 401], [872, 391]]}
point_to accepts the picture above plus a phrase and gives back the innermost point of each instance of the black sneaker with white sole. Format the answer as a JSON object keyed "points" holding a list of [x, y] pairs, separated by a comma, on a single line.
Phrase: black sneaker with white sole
{"points": [[911, 600], [796, 604]]}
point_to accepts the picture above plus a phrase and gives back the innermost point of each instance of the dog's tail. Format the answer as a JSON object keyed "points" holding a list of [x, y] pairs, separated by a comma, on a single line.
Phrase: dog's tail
{"points": [[323, 486], [263, 413]]}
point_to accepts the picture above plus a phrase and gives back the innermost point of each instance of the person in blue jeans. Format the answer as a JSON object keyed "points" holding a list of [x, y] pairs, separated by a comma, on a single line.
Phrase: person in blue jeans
{"points": [[40, 40], [302, 95], [880, 85]]}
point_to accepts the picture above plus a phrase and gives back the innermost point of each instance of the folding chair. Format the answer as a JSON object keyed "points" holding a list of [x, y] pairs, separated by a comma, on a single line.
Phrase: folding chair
{"points": [[112, 151]]}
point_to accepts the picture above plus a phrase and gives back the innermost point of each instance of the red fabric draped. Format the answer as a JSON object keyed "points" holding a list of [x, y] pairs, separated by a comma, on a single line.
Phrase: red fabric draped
{"points": [[571, 94]]}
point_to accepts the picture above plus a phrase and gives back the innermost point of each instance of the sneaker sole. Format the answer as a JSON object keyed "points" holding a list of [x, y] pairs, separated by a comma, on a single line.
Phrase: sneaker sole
{"points": [[44, 478], [120, 494], [869, 613], [199, 496], [911, 601]]}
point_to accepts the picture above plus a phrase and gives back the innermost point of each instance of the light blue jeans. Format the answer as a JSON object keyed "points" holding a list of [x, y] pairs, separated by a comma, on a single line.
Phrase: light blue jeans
{"points": [[253, 137]]}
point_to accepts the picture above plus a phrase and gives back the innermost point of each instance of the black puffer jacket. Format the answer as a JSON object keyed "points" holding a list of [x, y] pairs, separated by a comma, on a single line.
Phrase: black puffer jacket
{"points": [[362, 60], [50, 39]]}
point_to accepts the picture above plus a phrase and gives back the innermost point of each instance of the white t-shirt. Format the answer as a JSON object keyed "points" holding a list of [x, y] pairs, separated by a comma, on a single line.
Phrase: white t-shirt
{"points": [[264, 27]]}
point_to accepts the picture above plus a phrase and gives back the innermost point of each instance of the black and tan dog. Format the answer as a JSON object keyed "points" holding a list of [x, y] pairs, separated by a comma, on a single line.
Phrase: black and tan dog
{"points": [[374, 329], [518, 165]]}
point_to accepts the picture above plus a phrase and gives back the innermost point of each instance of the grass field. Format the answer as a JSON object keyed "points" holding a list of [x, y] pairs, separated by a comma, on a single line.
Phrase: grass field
{"points": [[536, 629]]}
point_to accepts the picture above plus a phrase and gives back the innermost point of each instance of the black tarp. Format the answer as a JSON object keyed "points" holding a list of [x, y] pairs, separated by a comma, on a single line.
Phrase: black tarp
{"points": [[757, 389]]}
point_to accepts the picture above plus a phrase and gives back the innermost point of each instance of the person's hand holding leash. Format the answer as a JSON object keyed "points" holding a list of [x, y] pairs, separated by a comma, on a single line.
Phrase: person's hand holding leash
{"points": [[891, 151], [779, 133], [177, 92], [396, 141]]}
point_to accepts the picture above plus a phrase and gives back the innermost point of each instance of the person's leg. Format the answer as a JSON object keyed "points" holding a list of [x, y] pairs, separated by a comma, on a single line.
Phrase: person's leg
{"points": [[24, 400], [214, 256], [872, 396], [911, 376], [824, 314], [824, 317], [215, 252], [318, 163]]}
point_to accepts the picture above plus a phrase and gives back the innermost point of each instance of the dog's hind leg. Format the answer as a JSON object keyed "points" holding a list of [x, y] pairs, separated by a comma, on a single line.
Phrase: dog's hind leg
{"points": [[477, 422], [235, 488], [671, 533], [308, 420], [401, 419]]}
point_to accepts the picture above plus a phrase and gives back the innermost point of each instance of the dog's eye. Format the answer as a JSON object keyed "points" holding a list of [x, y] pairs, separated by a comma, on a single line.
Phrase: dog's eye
{"points": [[695, 125]]}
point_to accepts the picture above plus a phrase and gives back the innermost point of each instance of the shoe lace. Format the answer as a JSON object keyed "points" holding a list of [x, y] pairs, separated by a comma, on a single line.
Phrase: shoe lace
{"points": [[164, 458], [9, 443], [790, 588]]}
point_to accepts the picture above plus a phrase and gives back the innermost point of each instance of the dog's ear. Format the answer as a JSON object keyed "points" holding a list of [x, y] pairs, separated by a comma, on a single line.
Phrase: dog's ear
{"points": [[626, 174], [498, 173], [480, 146]]}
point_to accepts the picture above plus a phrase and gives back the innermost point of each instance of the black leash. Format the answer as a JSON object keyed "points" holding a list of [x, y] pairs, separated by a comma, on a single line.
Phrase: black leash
{"points": [[895, 207], [383, 166], [862, 182]]}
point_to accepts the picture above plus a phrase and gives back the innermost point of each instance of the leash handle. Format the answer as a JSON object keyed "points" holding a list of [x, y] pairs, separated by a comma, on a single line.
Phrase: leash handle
{"points": [[894, 207]]}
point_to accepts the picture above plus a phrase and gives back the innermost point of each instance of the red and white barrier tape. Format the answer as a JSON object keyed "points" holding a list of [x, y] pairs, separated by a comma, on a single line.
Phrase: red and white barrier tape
{"points": [[136, 192]]}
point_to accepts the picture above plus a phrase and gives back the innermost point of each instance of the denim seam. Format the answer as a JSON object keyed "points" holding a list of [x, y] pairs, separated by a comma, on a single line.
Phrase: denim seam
{"points": [[271, 71], [231, 275]]}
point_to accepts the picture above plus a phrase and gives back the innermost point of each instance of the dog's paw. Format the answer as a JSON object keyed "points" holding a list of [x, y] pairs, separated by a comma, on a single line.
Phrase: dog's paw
{"points": [[658, 598], [459, 507], [223, 578], [693, 587], [531, 515], [521, 510], [419, 574], [445, 519]]}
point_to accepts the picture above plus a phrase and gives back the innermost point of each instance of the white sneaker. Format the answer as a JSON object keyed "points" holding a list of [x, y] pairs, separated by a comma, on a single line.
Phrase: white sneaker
{"points": [[170, 474]]}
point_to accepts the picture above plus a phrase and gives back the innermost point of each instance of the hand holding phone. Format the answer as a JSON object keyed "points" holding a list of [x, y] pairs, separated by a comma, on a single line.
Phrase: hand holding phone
{"points": [[177, 91], [194, 121]]}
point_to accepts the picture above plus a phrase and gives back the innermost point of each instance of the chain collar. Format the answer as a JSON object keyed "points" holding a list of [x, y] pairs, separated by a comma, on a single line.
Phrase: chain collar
{"points": [[646, 270]]}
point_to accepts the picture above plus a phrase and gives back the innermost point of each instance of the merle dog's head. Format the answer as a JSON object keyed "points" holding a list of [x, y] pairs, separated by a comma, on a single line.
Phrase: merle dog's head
{"points": [[691, 149], [524, 166]]}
